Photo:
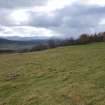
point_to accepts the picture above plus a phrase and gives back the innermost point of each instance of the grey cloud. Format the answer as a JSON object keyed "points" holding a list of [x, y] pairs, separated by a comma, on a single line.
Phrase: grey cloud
{"points": [[44, 20], [3, 17], [80, 19], [72, 20], [68, 21], [76, 16], [20, 3]]}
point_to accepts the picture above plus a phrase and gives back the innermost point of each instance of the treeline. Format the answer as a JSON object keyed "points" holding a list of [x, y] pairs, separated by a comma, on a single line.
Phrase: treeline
{"points": [[86, 38], [83, 39], [53, 43]]}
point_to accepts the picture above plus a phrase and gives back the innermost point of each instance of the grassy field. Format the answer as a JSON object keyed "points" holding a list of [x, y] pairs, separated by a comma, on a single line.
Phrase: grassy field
{"points": [[73, 75]]}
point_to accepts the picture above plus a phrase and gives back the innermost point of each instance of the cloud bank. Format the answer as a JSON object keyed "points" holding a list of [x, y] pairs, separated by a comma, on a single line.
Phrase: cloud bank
{"points": [[66, 18]]}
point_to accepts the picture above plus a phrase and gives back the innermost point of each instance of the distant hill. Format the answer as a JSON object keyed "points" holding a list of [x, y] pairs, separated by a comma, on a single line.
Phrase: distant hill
{"points": [[24, 44], [2, 41], [18, 45], [8, 41]]}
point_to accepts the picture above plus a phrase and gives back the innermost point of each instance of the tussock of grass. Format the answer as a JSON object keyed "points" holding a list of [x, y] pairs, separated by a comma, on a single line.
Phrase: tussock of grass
{"points": [[72, 75]]}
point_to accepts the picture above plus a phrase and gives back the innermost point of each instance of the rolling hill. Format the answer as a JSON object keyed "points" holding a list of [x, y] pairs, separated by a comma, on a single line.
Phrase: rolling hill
{"points": [[73, 75], [19, 45], [24, 44]]}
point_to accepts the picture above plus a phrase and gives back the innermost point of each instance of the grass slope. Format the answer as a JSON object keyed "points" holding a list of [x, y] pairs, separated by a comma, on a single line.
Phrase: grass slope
{"points": [[73, 75]]}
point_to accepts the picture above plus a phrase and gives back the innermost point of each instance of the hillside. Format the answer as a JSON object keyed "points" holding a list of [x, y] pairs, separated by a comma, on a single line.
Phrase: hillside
{"points": [[26, 45], [73, 75]]}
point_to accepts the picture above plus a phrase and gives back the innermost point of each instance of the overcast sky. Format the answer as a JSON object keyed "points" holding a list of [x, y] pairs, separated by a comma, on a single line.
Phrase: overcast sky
{"points": [[64, 18]]}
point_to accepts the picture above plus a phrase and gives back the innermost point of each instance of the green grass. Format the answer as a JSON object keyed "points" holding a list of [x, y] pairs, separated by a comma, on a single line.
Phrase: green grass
{"points": [[73, 75]]}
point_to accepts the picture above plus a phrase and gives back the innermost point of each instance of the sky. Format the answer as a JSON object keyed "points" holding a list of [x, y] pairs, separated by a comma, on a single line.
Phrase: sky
{"points": [[51, 18]]}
